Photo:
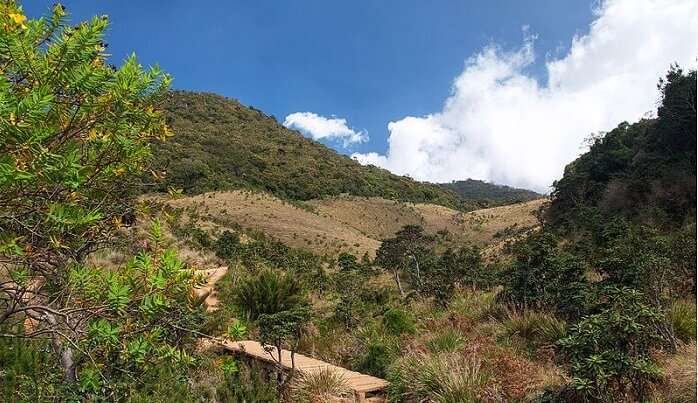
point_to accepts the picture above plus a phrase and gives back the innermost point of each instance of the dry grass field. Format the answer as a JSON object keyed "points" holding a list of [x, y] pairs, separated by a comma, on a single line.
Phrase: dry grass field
{"points": [[354, 224]]}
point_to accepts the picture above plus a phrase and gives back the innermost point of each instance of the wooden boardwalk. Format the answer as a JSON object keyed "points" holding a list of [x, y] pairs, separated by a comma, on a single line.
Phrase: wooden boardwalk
{"points": [[358, 383]]}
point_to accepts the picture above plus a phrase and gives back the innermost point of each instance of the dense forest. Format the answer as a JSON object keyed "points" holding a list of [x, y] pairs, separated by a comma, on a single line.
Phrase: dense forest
{"points": [[473, 189], [101, 288]]}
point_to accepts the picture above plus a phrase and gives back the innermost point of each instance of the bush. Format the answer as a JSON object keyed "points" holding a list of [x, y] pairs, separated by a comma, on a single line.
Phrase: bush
{"points": [[397, 322], [269, 292], [227, 245], [376, 359], [609, 352]]}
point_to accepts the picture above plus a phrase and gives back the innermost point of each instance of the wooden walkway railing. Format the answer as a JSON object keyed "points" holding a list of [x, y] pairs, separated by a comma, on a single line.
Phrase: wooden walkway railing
{"points": [[359, 384]]}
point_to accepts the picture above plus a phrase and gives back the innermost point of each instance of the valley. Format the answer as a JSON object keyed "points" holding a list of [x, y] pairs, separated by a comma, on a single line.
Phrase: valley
{"points": [[352, 224]]}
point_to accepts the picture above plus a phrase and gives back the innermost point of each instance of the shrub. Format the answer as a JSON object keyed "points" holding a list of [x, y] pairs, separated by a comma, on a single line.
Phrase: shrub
{"points": [[247, 385], [227, 245], [376, 359], [545, 277], [609, 352], [397, 322], [268, 292]]}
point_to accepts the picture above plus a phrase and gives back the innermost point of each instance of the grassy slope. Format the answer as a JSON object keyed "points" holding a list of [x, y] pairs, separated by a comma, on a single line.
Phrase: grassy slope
{"points": [[352, 224], [223, 145]]}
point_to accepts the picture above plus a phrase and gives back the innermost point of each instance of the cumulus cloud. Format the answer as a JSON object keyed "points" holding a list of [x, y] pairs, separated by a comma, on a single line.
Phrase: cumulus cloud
{"points": [[500, 124], [319, 127]]}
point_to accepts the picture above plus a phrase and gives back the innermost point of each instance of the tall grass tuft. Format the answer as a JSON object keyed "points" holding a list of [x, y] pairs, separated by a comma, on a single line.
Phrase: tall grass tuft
{"points": [[536, 328], [324, 385], [682, 315], [475, 304], [449, 341], [680, 373], [443, 378]]}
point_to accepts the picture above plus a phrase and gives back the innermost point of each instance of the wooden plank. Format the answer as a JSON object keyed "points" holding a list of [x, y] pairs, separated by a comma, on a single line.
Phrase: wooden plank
{"points": [[359, 383]]}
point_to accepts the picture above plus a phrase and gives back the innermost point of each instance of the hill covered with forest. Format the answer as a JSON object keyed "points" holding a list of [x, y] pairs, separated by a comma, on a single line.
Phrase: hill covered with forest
{"points": [[497, 194], [221, 144]]}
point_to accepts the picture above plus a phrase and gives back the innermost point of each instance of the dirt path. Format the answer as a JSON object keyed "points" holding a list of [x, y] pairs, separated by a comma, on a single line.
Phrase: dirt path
{"points": [[209, 289]]}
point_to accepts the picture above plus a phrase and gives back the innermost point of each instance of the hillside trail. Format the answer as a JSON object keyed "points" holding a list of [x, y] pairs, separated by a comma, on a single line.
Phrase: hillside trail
{"points": [[213, 275]]}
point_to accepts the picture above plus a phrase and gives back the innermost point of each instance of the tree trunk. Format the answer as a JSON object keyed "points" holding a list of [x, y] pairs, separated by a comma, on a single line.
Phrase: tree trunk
{"points": [[65, 353], [396, 273]]}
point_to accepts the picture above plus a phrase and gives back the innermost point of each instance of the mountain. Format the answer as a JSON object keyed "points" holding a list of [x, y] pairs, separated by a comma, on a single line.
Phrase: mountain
{"points": [[473, 189], [221, 144]]}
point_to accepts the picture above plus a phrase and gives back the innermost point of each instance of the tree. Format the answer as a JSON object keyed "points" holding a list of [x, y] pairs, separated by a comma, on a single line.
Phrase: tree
{"points": [[74, 133], [545, 277], [279, 331], [405, 252], [277, 304]]}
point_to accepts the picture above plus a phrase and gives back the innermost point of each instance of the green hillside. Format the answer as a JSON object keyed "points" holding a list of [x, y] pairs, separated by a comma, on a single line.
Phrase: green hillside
{"points": [[643, 172], [473, 189], [221, 144]]}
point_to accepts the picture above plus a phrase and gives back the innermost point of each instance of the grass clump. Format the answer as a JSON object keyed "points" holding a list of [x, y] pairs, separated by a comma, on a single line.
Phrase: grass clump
{"points": [[682, 316], [534, 327], [324, 385], [443, 378], [449, 341], [397, 322]]}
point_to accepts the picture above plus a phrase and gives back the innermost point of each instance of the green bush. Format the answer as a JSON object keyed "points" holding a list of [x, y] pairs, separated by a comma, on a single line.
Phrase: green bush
{"points": [[268, 293], [609, 352], [397, 322], [544, 276], [376, 359], [227, 245]]}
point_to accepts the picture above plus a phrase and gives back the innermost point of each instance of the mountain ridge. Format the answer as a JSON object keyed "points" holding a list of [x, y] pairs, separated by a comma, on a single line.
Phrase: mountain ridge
{"points": [[223, 145]]}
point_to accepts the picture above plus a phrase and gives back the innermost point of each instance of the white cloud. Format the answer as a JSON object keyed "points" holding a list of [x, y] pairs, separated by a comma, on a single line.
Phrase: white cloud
{"points": [[320, 127], [501, 125]]}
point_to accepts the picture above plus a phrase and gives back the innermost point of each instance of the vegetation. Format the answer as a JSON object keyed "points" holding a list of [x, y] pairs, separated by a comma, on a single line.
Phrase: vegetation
{"points": [[98, 294], [472, 189], [223, 145], [74, 132]]}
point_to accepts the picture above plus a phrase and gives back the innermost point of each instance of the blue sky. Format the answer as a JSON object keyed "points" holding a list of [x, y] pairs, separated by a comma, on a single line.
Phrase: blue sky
{"points": [[367, 61], [377, 62]]}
